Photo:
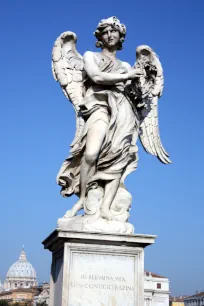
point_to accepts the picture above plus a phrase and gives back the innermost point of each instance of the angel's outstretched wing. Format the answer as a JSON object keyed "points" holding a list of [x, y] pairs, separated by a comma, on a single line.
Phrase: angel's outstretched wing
{"points": [[68, 70], [148, 89]]}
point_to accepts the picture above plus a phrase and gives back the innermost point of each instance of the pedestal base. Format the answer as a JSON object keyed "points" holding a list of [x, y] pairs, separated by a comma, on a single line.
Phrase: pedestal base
{"points": [[94, 269]]}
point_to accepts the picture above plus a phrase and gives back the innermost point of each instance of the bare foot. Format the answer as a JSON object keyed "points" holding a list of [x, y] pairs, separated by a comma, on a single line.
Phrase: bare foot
{"points": [[74, 210], [106, 214]]}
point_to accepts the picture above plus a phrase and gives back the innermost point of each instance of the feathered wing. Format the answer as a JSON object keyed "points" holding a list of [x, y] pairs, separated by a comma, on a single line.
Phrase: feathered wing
{"points": [[148, 90], [68, 70]]}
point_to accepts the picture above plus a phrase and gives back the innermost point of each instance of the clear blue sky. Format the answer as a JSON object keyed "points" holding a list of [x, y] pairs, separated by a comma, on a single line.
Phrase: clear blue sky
{"points": [[37, 125]]}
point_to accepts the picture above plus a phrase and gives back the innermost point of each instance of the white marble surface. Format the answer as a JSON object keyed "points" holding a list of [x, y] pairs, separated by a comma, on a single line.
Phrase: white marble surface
{"points": [[135, 240], [97, 268], [103, 275], [109, 119], [101, 279]]}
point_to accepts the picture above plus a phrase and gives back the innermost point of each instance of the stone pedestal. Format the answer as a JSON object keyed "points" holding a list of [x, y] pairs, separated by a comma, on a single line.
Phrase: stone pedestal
{"points": [[97, 269]]}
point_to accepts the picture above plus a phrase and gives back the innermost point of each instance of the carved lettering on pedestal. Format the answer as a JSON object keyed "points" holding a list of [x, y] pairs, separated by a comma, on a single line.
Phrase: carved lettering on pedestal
{"points": [[87, 285], [97, 279]]}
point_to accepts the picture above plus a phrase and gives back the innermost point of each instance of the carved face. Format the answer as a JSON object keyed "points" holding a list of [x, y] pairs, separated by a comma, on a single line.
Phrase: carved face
{"points": [[110, 37]]}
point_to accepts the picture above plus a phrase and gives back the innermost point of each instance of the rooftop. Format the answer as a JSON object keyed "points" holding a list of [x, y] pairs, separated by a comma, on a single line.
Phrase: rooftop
{"points": [[177, 298], [147, 273], [199, 294]]}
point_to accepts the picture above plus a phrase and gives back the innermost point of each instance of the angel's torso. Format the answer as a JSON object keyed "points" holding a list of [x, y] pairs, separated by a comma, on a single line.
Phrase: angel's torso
{"points": [[108, 65], [100, 99]]}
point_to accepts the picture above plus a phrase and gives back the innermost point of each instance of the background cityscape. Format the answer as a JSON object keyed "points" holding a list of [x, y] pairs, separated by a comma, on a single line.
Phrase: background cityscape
{"points": [[38, 124]]}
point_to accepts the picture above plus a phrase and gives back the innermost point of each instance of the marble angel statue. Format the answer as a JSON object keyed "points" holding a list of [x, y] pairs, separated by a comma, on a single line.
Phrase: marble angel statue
{"points": [[115, 104]]}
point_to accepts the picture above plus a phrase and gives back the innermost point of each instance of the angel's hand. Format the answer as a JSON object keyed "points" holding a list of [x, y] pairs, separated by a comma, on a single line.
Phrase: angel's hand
{"points": [[134, 73]]}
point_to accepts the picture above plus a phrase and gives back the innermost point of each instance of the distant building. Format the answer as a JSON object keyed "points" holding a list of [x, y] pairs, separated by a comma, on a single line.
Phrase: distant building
{"points": [[24, 296], [21, 283], [21, 274], [176, 301], [156, 290], [195, 300]]}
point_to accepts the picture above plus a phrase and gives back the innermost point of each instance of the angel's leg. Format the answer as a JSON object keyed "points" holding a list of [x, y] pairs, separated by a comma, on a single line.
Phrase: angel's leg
{"points": [[94, 141], [111, 188]]}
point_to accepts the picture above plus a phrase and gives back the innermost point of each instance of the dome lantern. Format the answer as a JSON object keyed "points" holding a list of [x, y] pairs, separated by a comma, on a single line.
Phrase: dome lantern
{"points": [[22, 256]]}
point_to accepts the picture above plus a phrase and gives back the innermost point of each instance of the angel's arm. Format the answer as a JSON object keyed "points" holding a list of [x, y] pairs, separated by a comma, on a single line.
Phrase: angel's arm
{"points": [[105, 78]]}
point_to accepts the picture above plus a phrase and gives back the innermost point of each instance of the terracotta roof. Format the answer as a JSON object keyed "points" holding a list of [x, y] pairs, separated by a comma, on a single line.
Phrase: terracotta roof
{"points": [[154, 275], [20, 289], [16, 290]]}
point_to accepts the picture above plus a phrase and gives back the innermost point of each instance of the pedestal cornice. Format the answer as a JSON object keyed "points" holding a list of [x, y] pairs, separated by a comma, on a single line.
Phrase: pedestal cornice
{"points": [[133, 240]]}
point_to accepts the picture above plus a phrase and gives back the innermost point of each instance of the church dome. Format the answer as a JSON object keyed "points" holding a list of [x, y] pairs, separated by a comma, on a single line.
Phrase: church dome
{"points": [[21, 274]]}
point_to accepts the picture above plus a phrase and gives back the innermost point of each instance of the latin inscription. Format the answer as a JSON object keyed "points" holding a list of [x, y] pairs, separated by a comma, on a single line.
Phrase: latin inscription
{"points": [[102, 286], [102, 277], [99, 279]]}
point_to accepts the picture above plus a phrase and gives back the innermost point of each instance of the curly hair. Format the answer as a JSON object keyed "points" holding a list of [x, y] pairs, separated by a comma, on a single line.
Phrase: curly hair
{"points": [[114, 22]]}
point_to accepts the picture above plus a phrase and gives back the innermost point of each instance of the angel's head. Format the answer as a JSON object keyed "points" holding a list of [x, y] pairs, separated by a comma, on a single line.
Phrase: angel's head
{"points": [[110, 33]]}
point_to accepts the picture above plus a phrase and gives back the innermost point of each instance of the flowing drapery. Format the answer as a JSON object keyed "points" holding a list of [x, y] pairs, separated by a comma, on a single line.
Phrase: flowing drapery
{"points": [[118, 154]]}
